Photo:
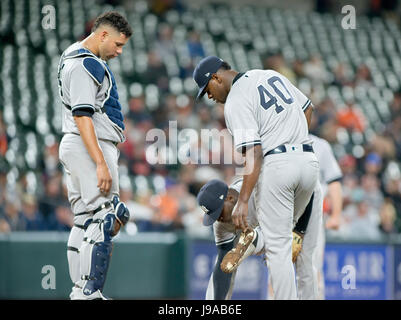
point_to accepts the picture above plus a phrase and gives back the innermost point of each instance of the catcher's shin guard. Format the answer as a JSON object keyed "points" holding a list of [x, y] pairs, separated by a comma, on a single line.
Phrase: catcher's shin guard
{"points": [[97, 247], [81, 222]]}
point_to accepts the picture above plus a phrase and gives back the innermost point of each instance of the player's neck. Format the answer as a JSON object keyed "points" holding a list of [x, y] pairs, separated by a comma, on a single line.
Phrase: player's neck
{"points": [[90, 43], [231, 74]]}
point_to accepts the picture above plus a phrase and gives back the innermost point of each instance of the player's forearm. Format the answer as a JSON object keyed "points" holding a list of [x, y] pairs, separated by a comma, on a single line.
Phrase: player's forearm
{"points": [[253, 164], [336, 198], [308, 115], [88, 135]]}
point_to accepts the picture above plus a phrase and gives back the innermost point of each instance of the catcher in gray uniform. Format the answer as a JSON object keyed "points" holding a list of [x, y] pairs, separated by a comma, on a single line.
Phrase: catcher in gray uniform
{"points": [[92, 127], [218, 200]]}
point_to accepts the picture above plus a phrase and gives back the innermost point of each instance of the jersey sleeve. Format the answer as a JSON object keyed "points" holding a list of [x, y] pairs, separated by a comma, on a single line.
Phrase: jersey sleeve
{"points": [[83, 90], [223, 233], [241, 122], [236, 183], [328, 164]]}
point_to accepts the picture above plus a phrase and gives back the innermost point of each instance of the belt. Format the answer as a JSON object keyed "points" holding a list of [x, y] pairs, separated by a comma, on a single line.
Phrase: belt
{"points": [[283, 148]]}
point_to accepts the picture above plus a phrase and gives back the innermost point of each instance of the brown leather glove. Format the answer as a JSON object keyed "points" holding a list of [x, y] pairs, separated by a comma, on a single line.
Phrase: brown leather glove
{"points": [[296, 245]]}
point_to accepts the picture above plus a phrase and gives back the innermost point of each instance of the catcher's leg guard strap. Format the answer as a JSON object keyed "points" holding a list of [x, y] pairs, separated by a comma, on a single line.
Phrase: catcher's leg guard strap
{"points": [[81, 222], [96, 252]]}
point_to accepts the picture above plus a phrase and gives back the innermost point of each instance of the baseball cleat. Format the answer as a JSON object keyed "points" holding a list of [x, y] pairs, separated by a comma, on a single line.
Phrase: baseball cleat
{"points": [[77, 294], [242, 250]]}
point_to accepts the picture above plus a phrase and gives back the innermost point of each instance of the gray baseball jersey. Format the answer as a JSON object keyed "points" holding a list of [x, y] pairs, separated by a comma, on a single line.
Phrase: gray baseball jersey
{"points": [[329, 169], [263, 107], [82, 89]]}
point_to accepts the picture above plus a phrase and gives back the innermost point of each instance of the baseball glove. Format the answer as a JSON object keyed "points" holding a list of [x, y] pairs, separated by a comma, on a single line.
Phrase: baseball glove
{"points": [[296, 245]]}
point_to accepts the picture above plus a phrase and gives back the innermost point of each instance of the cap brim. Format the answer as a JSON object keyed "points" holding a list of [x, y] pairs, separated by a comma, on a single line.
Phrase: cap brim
{"points": [[209, 219], [201, 91]]}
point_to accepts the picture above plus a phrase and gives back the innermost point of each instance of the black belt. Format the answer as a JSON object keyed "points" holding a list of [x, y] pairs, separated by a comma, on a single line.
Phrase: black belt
{"points": [[282, 149]]}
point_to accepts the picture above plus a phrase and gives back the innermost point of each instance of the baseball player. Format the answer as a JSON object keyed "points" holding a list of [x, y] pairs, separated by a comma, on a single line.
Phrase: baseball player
{"points": [[92, 127], [264, 112], [218, 200], [330, 181]]}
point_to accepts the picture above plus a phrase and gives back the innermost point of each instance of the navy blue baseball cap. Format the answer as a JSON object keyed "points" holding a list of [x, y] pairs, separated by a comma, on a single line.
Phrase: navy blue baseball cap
{"points": [[203, 72], [211, 200]]}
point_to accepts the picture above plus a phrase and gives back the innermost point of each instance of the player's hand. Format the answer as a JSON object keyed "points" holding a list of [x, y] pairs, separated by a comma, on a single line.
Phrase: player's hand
{"points": [[333, 223], [240, 214], [104, 179]]}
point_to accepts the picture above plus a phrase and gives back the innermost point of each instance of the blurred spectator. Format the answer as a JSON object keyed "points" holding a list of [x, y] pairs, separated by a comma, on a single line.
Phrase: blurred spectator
{"points": [[3, 137], [395, 105], [156, 72], [392, 189], [195, 47], [348, 165], [62, 219], [341, 75], [373, 163], [13, 216], [3, 187], [362, 221], [137, 111], [51, 198], [315, 70], [372, 194], [166, 205], [383, 146], [388, 216], [164, 45], [393, 130], [324, 112], [34, 220], [277, 63], [51, 161], [160, 7], [4, 226], [140, 212], [298, 67], [363, 77], [351, 118]]}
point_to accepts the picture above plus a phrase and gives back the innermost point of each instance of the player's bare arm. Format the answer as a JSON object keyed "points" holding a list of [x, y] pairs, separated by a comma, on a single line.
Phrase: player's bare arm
{"points": [[87, 132], [253, 162], [308, 114], [336, 200]]}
